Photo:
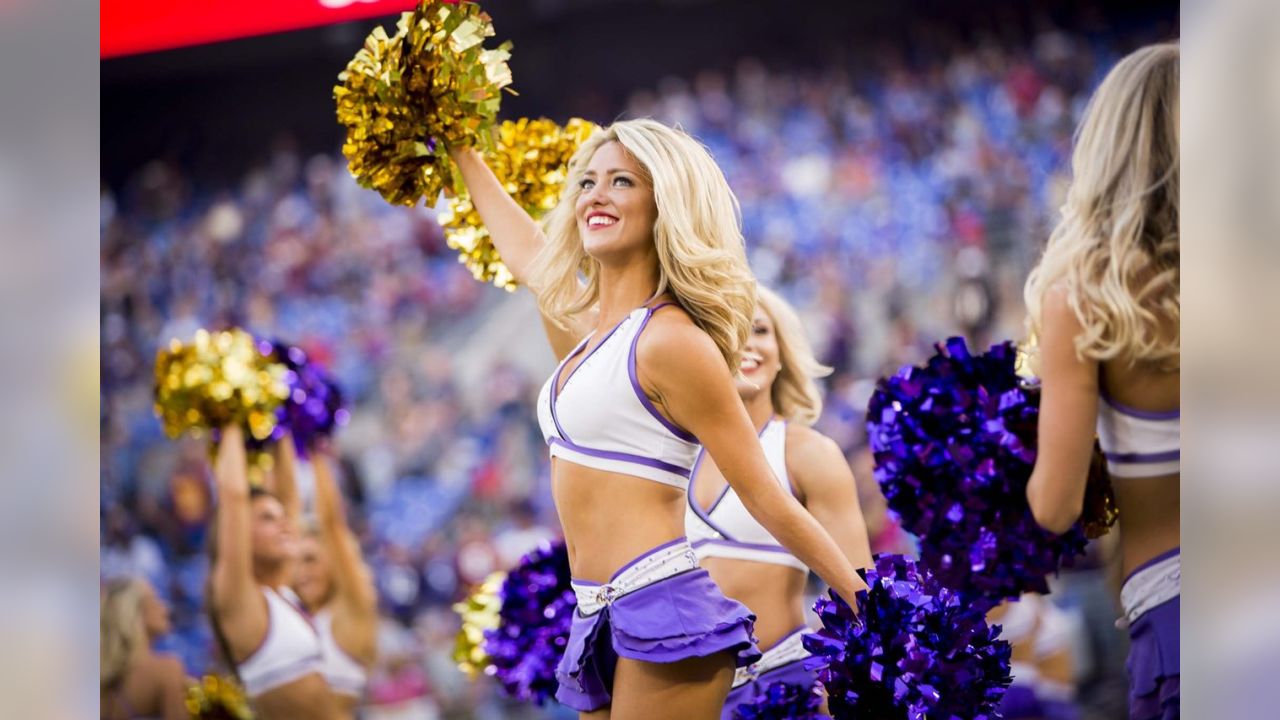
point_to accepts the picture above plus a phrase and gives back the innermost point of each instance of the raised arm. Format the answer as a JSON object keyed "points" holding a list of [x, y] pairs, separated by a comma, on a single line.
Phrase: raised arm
{"points": [[352, 576], [681, 367], [1068, 414], [828, 491], [516, 236], [285, 474], [232, 573]]}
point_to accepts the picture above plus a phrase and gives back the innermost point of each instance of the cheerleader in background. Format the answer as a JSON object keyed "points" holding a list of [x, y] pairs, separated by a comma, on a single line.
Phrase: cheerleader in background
{"points": [[137, 683], [264, 634], [1043, 663], [649, 346], [333, 582], [1104, 303], [777, 385]]}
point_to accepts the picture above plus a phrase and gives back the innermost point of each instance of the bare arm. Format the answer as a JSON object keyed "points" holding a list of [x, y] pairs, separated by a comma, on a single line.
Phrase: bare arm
{"points": [[285, 474], [689, 377], [173, 690], [232, 574], [829, 491], [1068, 414], [354, 581], [516, 236]]}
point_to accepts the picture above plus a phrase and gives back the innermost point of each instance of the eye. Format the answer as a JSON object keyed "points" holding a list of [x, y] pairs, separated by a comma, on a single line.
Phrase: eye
{"points": [[586, 184], [623, 181], [761, 330]]}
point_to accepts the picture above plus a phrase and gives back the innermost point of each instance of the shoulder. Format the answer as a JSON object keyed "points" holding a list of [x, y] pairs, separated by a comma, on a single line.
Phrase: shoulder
{"points": [[672, 341], [1058, 314], [810, 454]]}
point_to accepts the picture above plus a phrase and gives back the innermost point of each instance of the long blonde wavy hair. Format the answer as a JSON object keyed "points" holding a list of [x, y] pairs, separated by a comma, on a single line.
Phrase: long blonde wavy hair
{"points": [[1115, 250], [795, 392], [698, 236], [123, 632]]}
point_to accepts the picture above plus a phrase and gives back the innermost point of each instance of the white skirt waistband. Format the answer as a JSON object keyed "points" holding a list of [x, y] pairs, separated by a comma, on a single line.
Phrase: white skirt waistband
{"points": [[786, 651], [647, 570], [1151, 586]]}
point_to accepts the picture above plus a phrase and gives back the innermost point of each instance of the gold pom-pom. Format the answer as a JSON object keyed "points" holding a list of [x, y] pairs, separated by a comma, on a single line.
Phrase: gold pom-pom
{"points": [[479, 612], [217, 698], [404, 97], [530, 159], [1099, 511], [218, 379]]}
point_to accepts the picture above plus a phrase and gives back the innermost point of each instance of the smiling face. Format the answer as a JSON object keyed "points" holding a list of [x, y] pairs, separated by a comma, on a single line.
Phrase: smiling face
{"points": [[761, 358], [615, 209]]}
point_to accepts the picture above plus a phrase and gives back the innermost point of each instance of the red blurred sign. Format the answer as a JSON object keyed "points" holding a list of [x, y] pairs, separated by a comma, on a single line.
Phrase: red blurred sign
{"points": [[136, 26]]}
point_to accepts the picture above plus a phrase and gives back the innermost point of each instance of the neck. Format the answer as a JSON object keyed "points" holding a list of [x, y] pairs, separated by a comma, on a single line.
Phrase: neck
{"points": [[625, 288], [270, 574], [760, 408]]}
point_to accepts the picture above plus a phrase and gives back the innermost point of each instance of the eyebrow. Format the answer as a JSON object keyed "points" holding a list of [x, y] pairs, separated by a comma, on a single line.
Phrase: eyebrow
{"points": [[611, 171]]}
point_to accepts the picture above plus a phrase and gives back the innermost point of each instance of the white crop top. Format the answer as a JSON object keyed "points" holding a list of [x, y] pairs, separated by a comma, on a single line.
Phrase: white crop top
{"points": [[602, 419], [345, 675], [1139, 443], [290, 648], [726, 529]]}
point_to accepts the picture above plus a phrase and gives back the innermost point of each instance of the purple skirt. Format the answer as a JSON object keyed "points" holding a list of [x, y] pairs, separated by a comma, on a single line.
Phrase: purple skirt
{"points": [[792, 673], [1020, 703], [684, 616], [1154, 662]]}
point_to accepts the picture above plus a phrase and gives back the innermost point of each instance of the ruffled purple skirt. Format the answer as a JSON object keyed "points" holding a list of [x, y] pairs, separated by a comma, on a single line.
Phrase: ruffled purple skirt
{"points": [[1154, 662], [681, 617]]}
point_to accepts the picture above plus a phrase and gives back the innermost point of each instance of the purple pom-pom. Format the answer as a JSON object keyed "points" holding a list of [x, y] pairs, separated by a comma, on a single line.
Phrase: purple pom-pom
{"points": [[954, 445], [915, 649], [782, 701], [533, 626], [314, 407]]}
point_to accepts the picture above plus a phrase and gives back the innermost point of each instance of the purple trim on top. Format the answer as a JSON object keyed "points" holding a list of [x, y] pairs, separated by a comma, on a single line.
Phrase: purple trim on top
{"points": [[576, 581], [1165, 456], [693, 503], [1138, 412], [1157, 559], [705, 515], [635, 382], [621, 457], [555, 384], [644, 555], [589, 354]]}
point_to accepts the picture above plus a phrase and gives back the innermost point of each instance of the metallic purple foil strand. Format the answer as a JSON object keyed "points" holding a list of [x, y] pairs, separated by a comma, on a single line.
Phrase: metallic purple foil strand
{"points": [[954, 444], [782, 701], [533, 628], [914, 649], [314, 407]]}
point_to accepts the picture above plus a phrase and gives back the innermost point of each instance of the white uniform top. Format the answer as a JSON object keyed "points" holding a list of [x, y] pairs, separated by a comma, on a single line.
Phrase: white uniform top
{"points": [[290, 648], [602, 419], [726, 529], [1139, 443], [345, 675]]}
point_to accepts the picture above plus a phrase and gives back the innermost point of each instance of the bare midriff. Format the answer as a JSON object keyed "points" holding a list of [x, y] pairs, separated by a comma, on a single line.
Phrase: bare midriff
{"points": [[610, 519], [773, 593], [1149, 508], [306, 697]]}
